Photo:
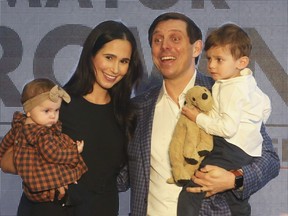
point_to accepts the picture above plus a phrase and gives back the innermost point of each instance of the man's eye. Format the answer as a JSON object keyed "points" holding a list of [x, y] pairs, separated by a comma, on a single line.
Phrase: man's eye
{"points": [[157, 40], [176, 39]]}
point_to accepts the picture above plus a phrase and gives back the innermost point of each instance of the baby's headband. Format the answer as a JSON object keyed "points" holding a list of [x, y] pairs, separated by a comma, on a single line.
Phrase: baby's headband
{"points": [[54, 95]]}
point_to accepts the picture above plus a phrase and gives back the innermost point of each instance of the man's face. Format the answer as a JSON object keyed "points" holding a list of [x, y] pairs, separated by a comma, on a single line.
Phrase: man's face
{"points": [[172, 52]]}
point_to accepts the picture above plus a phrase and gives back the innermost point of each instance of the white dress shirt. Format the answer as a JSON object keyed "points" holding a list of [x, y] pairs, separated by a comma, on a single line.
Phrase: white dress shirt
{"points": [[239, 108], [162, 197]]}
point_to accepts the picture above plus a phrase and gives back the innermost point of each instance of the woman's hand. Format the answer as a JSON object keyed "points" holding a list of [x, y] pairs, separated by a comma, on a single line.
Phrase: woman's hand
{"points": [[60, 193], [213, 180]]}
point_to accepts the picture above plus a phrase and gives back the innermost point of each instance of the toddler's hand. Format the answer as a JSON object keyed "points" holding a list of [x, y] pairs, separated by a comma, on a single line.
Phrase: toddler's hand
{"points": [[190, 113], [80, 145]]}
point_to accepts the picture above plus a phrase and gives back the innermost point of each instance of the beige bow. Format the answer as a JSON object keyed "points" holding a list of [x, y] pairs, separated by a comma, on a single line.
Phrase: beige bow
{"points": [[57, 92]]}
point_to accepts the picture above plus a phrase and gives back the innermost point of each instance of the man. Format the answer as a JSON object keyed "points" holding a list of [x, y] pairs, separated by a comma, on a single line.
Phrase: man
{"points": [[176, 43]]}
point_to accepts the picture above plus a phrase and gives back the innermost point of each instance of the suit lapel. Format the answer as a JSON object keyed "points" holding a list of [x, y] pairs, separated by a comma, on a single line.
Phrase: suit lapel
{"points": [[148, 109]]}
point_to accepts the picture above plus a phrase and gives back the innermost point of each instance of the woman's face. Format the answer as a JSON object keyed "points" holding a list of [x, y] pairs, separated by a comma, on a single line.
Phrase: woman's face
{"points": [[111, 63]]}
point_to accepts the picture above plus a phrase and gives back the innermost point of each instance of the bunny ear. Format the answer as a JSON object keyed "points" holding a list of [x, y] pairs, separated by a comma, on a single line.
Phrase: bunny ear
{"points": [[57, 92], [66, 97]]}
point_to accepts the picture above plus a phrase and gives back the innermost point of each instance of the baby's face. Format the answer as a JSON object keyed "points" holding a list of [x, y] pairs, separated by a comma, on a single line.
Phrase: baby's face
{"points": [[46, 113]]}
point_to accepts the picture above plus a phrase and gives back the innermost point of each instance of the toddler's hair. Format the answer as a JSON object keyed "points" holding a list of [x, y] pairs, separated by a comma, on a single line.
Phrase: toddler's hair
{"points": [[36, 87], [232, 36]]}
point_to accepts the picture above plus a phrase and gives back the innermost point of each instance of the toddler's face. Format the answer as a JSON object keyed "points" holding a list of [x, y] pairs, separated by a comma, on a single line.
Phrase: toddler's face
{"points": [[221, 64], [46, 113]]}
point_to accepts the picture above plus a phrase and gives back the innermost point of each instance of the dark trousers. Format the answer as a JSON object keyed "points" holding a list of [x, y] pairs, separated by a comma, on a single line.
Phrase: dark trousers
{"points": [[29, 208], [229, 157], [94, 203], [83, 202]]}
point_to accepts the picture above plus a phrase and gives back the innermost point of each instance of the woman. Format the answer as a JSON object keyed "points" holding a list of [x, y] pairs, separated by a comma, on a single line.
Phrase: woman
{"points": [[99, 113]]}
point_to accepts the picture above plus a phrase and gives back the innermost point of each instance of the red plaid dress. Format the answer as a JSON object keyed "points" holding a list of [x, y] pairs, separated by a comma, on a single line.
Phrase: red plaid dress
{"points": [[44, 157]]}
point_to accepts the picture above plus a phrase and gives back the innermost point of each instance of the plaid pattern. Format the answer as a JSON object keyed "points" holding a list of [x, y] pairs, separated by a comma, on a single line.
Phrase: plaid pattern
{"points": [[257, 174], [123, 179], [44, 157]]}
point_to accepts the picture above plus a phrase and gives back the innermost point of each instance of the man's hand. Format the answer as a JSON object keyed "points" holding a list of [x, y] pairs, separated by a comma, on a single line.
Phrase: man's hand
{"points": [[213, 179]]}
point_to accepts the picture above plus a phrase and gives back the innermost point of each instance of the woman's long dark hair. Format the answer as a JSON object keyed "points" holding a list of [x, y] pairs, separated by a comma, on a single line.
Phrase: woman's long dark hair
{"points": [[83, 79]]}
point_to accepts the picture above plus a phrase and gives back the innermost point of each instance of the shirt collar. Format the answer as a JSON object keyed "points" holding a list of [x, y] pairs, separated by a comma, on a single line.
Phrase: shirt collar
{"points": [[163, 91]]}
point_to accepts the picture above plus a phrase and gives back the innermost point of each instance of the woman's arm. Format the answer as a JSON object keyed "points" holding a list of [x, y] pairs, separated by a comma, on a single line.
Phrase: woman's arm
{"points": [[6, 153], [7, 163]]}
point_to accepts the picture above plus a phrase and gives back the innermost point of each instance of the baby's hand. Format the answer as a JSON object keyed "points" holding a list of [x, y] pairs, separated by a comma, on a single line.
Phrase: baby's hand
{"points": [[190, 113], [80, 145]]}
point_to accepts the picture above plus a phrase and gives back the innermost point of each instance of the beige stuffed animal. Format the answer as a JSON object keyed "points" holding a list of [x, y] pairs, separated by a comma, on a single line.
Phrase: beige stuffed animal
{"points": [[189, 143]]}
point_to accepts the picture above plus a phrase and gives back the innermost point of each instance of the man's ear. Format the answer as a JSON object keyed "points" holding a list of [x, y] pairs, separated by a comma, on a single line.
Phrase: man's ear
{"points": [[197, 48], [28, 114], [242, 62]]}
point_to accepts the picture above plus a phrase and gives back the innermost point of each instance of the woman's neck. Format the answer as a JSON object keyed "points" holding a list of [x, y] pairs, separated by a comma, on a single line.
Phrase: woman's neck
{"points": [[98, 97]]}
